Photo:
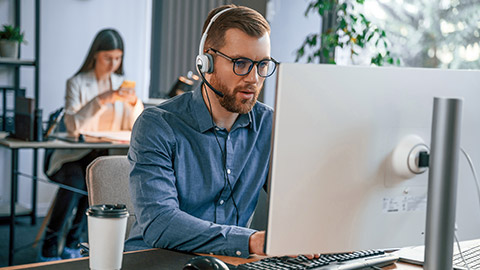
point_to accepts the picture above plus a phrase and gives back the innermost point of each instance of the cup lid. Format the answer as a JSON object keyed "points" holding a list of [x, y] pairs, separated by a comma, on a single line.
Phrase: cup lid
{"points": [[108, 211]]}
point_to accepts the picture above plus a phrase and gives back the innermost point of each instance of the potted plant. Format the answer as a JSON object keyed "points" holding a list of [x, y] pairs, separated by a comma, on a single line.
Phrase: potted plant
{"points": [[10, 39]]}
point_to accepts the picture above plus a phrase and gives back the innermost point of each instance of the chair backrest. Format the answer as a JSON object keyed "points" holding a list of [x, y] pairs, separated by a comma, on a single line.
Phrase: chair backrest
{"points": [[107, 183]]}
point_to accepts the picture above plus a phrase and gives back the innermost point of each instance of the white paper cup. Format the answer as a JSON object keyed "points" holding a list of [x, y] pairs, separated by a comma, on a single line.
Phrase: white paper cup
{"points": [[106, 235]]}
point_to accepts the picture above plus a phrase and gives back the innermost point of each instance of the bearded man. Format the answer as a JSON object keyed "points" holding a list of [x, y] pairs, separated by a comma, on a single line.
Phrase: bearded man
{"points": [[199, 160]]}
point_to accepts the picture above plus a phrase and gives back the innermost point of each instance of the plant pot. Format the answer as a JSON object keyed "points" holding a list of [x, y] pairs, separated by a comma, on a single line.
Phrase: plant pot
{"points": [[8, 49]]}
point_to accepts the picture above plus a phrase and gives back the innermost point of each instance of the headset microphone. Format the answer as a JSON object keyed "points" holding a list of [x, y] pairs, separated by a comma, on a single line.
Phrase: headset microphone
{"points": [[220, 94], [204, 61]]}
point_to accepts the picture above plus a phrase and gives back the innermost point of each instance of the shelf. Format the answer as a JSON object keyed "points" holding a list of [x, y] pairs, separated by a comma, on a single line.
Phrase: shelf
{"points": [[16, 62]]}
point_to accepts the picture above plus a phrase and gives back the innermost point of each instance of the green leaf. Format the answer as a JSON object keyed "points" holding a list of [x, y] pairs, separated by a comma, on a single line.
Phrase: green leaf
{"points": [[370, 37], [12, 33], [343, 24]]}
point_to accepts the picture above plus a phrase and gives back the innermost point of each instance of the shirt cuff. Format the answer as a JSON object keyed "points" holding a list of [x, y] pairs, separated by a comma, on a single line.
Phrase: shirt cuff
{"points": [[238, 242]]}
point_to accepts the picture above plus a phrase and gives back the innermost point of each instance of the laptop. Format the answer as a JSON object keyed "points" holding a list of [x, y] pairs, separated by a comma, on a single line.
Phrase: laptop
{"points": [[470, 250]]}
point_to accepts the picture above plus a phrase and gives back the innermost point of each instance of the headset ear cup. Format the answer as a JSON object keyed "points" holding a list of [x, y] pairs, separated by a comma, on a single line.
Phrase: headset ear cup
{"points": [[209, 65], [202, 61]]}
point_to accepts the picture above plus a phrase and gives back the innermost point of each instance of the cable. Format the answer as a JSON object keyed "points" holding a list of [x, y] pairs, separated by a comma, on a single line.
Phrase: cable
{"points": [[473, 172], [460, 251], [224, 156], [472, 167]]}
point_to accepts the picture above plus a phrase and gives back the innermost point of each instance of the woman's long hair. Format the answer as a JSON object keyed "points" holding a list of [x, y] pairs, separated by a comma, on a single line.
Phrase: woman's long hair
{"points": [[105, 40]]}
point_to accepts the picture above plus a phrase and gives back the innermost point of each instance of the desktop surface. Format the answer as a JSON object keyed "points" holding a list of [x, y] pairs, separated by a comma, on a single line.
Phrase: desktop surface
{"points": [[159, 259], [144, 259]]}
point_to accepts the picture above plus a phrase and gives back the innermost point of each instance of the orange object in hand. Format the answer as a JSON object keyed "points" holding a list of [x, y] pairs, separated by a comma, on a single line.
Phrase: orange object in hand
{"points": [[128, 84]]}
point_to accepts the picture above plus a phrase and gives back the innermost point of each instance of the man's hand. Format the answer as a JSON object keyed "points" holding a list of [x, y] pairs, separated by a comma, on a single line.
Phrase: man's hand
{"points": [[256, 243]]}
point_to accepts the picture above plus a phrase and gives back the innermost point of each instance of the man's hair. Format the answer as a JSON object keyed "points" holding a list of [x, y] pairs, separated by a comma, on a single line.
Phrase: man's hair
{"points": [[243, 18]]}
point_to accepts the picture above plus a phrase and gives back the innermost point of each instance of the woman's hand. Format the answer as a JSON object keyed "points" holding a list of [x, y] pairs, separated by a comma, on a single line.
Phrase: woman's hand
{"points": [[107, 97], [127, 94], [122, 94]]}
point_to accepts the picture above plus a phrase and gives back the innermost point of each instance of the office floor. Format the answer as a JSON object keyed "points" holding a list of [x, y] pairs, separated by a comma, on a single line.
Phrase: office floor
{"points": [[25, 235]]}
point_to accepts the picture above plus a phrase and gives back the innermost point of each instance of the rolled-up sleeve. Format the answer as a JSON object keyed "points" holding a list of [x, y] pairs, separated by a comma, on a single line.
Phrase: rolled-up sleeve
{"points": [[156, 201]]}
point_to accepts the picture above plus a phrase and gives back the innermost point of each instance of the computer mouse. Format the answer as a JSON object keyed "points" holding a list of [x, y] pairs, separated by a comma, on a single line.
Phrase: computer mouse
{"points": [[205, 263]]}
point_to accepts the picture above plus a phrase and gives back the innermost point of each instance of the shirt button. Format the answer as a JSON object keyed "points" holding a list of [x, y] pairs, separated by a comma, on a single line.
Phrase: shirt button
{"points": [[228, 137], [228, 171], [221, 202], [239, 253]]}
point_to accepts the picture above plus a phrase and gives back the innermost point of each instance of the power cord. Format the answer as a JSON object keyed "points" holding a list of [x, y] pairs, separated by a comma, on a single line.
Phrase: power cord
{"points": [[460, 249], [472, 167], [473, 172]]}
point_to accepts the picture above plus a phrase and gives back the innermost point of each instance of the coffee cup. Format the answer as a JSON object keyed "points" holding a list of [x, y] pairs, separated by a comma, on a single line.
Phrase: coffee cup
{"points": [[106, 235]]}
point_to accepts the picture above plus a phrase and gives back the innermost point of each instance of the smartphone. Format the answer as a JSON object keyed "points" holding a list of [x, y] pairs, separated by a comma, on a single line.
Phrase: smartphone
{"points": [[128, 84]]}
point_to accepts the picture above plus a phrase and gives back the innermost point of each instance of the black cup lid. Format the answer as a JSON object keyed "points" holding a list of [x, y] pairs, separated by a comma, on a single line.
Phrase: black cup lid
{"points": [[108, 211]]}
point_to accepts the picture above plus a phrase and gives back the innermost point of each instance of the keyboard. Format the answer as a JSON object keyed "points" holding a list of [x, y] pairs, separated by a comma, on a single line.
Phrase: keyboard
{"points": [[337, 261], [471, 255], [470, 250]]}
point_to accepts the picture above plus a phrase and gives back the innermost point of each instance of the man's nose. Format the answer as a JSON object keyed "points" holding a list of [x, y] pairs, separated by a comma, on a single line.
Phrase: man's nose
{"points": [[252, 76]]}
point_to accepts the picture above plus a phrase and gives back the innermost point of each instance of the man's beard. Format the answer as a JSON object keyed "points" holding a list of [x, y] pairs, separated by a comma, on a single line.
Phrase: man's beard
{"points": [[229, 100]]}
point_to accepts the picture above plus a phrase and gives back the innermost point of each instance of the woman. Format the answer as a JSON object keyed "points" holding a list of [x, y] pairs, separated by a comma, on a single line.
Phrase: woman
{"points": [[95, 101]]}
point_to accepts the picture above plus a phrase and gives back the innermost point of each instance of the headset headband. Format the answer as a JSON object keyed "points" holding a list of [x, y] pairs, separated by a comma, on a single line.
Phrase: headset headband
{"points": [[205, 34]]}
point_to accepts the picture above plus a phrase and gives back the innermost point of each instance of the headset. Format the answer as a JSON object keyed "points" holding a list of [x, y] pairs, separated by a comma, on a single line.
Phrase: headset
{"points": [[204, 61]]}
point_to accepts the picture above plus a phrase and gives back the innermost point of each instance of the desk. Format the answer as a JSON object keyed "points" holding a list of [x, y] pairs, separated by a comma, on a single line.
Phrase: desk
{"points": [[15, 145], [156, 259]]}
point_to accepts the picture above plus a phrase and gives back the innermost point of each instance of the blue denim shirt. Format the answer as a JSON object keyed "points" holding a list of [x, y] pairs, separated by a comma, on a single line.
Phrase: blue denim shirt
{"points": [[178, 175]]}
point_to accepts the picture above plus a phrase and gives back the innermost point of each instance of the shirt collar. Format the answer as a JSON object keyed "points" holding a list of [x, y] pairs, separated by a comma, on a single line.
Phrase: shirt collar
{"points": [[203, 115]]}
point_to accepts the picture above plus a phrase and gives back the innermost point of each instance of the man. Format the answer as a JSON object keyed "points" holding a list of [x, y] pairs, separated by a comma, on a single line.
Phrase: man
{"points": [[199, 160]]}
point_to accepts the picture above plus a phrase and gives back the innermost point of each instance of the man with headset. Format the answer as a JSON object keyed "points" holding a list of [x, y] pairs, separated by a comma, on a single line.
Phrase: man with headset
{"points": [[200, 159]]}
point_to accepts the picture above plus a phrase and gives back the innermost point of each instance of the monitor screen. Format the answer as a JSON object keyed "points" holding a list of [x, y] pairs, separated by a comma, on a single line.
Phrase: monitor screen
{"points": [[332, 184]]}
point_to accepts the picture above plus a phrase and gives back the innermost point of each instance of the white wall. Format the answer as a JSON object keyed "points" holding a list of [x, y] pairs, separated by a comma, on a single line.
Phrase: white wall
{"points": [[289, 27], [67, 31]]}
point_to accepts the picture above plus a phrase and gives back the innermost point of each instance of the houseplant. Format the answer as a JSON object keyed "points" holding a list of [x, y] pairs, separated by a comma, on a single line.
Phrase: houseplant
{"points": [[344, 27], [10, 39]]}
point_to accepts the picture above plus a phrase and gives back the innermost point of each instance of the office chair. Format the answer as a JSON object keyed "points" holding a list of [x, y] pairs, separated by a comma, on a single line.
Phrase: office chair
{"points": [[107, 183]]}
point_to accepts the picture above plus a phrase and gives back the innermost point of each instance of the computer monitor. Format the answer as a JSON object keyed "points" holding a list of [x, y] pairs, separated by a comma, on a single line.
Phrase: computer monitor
{"points": [[332, 185]]}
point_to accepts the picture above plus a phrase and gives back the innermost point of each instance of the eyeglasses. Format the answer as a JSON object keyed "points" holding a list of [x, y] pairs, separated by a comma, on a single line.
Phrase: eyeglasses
{"points": [[242, 65]]}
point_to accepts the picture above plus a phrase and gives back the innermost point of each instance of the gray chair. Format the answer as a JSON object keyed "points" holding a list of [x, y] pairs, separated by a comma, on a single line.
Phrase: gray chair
{"points": [[107, 183]]}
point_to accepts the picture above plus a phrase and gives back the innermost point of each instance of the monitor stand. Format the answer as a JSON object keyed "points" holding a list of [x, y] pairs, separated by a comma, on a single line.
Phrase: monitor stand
{"points": [[442, 183]]}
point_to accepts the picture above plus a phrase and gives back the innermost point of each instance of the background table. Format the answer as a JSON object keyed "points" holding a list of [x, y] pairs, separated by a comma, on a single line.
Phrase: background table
{"points": [[15, 145]]}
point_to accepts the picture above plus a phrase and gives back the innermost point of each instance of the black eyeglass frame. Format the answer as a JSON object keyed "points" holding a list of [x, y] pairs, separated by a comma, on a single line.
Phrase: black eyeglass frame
{"points": [[234, 60]]}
